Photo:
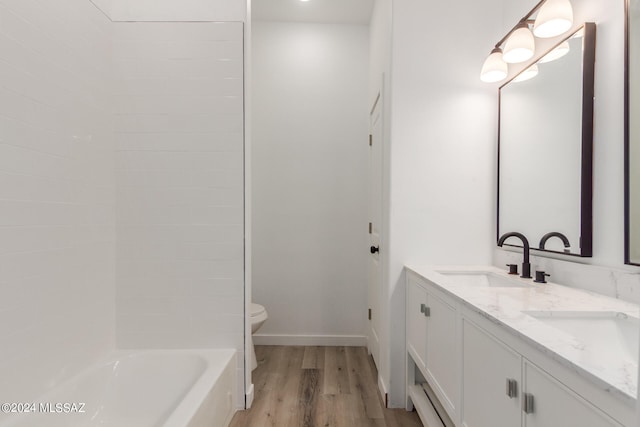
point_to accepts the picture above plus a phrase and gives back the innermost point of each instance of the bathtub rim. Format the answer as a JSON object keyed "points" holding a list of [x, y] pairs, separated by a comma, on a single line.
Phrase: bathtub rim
{"points": [[217, 361]]}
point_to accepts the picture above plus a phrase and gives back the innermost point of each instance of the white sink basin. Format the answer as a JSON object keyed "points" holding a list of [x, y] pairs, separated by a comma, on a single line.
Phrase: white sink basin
{"points": [[608, 337], [481, 279]]}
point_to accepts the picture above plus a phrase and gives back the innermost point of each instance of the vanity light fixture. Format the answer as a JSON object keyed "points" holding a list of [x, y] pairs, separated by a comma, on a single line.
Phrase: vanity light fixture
{"points": [[520, 45], [494, 68], [527, 74], [556, 53], [555, 17]]}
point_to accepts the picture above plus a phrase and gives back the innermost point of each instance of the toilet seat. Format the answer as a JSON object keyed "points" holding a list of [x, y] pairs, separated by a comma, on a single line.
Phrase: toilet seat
{"points": [[256, 310]]}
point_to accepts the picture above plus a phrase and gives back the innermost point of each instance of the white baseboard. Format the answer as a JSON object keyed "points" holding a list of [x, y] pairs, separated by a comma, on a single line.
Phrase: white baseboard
{"points": [[248, 399], [311, 340], [383, 391]]}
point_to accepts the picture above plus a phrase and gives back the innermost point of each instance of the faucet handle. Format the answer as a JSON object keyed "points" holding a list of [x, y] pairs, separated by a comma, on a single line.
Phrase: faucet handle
{"points": [[513, 268], [541, 277]]}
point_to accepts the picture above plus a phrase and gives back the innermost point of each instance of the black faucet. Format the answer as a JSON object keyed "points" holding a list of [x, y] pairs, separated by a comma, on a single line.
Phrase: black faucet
{"points": [[526, 266], [557, 234]]}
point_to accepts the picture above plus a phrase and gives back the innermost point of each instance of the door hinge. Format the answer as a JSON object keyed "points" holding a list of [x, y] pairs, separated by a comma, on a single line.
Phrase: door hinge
{"points": [[370, 227], [369, 314], [370, 140]]}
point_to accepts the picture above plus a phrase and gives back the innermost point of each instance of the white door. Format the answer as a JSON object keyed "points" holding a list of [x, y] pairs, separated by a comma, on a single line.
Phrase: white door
{"points": [[375, 218]]}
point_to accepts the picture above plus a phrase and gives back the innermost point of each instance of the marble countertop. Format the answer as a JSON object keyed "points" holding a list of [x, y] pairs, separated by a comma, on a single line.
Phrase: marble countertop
{"points": [[509, 307]]}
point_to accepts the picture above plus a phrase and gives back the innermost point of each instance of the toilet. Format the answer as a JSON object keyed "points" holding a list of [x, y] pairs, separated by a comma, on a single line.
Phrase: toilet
{"points": [[258, 317]]}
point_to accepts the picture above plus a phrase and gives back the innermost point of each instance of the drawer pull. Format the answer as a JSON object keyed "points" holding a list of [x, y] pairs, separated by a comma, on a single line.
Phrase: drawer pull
{"points": [[527, 403], [512, 388]]}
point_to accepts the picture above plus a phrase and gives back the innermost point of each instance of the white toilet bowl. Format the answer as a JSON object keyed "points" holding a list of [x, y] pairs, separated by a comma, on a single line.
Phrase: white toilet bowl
{"points": [[258, 317]]}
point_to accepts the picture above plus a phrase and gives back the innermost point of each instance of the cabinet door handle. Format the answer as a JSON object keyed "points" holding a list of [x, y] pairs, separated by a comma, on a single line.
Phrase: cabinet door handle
{"points": [[512, 388], [425, 310], [527, 403]]}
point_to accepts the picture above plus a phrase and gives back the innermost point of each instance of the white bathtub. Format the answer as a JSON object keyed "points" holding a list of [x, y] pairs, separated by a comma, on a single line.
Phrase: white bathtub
{"points": [[149, 388]]}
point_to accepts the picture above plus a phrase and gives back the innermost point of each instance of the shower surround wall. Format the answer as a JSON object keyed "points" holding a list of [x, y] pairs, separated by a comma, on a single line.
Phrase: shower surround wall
{"points": [[57, 238], [160, 117], [178, 104]]}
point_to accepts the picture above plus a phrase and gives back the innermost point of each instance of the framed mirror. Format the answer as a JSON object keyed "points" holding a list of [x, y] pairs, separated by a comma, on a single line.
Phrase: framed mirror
{"points": [[545, 149], [632, 136]]}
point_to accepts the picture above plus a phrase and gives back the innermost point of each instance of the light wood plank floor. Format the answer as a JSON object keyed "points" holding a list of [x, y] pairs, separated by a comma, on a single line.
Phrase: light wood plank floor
{"points": [[318, 387]]}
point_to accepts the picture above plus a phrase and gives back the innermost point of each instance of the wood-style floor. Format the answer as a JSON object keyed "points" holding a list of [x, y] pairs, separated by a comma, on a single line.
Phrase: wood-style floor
{"points": [[318, 387]]}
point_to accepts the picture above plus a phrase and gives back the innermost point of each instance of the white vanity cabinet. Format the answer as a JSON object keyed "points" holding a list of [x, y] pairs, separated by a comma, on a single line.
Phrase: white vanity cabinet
{"points": [[483, 374], [501, 388], [432, 322]]}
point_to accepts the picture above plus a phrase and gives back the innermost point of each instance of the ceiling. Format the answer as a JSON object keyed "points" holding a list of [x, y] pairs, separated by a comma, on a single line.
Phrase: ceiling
{"points": [[325, 11]]}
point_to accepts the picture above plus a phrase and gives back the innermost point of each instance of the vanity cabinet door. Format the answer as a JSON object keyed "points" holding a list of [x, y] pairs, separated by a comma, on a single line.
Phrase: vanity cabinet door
{"points": [[491, 380], [442, 357], [416, 323], [553, 404]]}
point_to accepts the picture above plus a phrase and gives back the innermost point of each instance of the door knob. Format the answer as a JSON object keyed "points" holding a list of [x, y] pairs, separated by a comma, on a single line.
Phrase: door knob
{"points": [[375, 249]]}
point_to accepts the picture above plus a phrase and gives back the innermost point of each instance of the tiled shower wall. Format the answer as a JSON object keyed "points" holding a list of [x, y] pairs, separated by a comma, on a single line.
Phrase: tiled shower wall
{"points": [[88, 105], [179, 132], [57, 193]]}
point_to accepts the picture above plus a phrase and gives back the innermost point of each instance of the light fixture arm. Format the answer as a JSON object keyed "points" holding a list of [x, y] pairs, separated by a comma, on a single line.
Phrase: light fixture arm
{"points": [[525, 19]]}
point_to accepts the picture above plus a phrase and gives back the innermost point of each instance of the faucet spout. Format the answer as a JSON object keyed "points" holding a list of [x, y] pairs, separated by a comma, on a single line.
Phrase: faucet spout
{"points": [[526, 265], [557, 234]]}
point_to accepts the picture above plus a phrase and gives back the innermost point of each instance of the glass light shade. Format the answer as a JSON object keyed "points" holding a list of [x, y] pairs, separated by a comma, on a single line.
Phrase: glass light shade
{"points": [[555, 17], [519, 46], [494, 68], [556, 53], [527, 74]]}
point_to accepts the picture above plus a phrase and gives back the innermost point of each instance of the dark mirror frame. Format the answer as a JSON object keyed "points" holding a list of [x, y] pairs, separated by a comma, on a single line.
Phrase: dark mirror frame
{"points": [[586, 178], [627, 139]]}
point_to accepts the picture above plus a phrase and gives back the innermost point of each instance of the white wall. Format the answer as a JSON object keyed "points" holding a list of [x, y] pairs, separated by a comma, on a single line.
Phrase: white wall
{"points": [[179, 131], [443, 139], [106, 6], [605, 272], [177, 10], [310, 156], [56, 193]]}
